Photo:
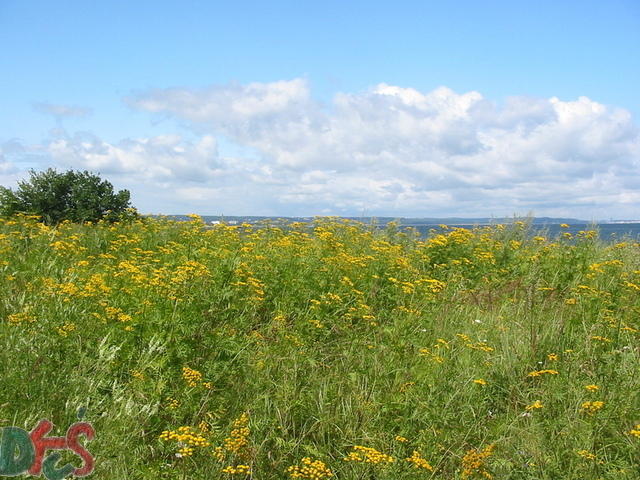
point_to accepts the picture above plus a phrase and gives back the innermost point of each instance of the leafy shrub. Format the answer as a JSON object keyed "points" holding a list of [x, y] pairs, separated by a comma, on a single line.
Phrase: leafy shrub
{"points": [[72, 195]]}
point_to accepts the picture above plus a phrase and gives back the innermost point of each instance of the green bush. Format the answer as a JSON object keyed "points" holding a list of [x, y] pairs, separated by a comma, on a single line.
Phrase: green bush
{"points": [[72, 195]]}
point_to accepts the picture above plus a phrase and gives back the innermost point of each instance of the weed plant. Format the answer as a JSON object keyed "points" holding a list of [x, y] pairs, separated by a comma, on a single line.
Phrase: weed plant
{"points": [[325, 350]]}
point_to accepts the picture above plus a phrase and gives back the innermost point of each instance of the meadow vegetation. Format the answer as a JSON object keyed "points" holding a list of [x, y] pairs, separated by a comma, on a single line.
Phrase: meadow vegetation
{"points": [[325, 350]]}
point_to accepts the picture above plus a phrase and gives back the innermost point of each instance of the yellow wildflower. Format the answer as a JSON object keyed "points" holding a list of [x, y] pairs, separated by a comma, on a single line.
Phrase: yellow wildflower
{"points": [[311, 469], [418, 461], [237, 470], [539, 373], [191, 376], [534, 406], [592, 407], [586, 454], [474, 462], [368, 455]]}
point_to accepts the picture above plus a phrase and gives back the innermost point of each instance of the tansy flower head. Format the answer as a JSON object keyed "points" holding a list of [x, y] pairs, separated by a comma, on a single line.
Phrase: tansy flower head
{"points": [[586, 454], [534, 406], [592, 407], [311, 469], [474, 461], [368, 455], [419, 462], [237, 470], [539, 373]]}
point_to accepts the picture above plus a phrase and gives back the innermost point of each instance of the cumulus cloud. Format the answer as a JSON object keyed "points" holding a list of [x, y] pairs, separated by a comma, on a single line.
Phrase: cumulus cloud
{"points": [[163, 158], [389, 150], [165, 173], [401, 151]]}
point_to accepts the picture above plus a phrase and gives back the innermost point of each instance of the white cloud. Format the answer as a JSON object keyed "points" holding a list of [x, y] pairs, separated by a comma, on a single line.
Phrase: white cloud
{"points": [[400, 151], [164, 158], [387, 151]]}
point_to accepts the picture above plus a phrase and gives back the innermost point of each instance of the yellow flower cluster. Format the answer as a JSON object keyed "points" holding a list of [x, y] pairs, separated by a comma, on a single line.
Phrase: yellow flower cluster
{"points": [[591, 388], [592, 407], [237, 470], [68, 248], [418, 461], [368, 455], [534, 406], [117, 314], [480, 381], [586, 454], [474, 462], [590, 234], [19, 318], [237, 441], [481, 346], [405, 386], [191, 376], [252, 284], [188, 437], [484, 255], [633, 286], [425, 352], [360, 311], [65, 329], [96, 285], [539, 373], [185, 452], [635, 431], [311, 469]]}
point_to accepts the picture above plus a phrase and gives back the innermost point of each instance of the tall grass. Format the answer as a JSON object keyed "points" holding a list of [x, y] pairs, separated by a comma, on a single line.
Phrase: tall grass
{"points": [[325, 349]]}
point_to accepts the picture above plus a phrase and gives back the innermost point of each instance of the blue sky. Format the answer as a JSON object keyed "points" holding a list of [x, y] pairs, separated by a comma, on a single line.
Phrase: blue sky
{"points": [[98, 85]]}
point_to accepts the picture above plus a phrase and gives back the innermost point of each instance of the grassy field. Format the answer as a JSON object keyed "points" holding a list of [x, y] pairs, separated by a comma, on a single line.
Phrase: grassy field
{"points": [[332, 350]]}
